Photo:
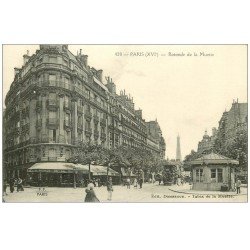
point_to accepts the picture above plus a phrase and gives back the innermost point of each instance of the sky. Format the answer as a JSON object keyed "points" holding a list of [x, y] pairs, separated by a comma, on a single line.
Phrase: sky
{"points": [[186, 94]]}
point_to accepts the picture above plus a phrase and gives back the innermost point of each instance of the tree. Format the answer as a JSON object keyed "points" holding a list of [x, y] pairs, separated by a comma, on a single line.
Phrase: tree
{"points": [[192, 156], [236, 149], [88, 154]]}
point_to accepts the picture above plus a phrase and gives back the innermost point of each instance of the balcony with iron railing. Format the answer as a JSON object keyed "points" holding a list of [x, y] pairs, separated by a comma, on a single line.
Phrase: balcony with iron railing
{"points": [[52, 158]]}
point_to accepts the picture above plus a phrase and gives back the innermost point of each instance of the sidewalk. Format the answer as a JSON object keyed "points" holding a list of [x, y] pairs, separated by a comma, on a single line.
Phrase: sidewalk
{"points": [[185, 189]]}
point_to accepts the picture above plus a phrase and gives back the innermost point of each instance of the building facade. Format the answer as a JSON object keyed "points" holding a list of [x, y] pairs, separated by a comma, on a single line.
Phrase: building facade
{"points": [[57, 101], [208, 142], [233, 123]]}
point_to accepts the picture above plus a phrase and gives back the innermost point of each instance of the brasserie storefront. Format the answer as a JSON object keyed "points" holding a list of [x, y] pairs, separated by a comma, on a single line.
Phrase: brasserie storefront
{"points": [[62, 174]]}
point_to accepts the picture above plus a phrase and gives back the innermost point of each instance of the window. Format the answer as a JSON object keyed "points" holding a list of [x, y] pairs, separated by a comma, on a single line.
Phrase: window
{"points": [[67, 119], [52, 115], [52, 80], [199, 173], [52, 153], [52, 135], [66, 81], [217, 175], [66, 101], [67, 154], [52, 96], [53, 59], [68, 137], [213, 173], [87, 125]]}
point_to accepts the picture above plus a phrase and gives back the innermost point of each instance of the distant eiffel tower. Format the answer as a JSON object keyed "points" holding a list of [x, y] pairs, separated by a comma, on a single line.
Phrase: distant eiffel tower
{"points": [[178, 149]]}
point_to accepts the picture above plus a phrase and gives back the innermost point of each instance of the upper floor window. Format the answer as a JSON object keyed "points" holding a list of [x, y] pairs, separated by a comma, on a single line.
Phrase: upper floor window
{"points": [[52, 80], [53, 59], [66, 81]]}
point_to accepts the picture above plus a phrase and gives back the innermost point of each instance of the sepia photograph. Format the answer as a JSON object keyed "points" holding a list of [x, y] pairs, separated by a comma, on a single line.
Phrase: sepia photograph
{"points": [[124, 123]]}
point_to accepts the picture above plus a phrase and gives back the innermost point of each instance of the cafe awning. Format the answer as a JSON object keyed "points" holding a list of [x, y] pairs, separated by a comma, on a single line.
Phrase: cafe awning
{"points": [[98, 170], [58, 167]]}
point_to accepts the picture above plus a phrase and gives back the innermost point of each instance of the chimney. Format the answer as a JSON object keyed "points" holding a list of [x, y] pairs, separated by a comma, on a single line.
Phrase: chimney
{"points": [[139, 113], [26, 58], [85, 60], [99, 74], [16, 70]]}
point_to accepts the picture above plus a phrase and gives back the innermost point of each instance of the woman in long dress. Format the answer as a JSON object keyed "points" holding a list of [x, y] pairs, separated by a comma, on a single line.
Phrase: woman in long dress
{"points": [[90, 194]]}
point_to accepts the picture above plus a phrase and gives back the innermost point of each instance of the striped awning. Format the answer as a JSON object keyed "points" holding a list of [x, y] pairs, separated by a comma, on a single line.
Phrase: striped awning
{"points": [[58, 167]]}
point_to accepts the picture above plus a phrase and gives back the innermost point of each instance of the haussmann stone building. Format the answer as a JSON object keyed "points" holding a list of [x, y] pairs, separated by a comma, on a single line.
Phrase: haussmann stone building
{"points": [[57, 101]]}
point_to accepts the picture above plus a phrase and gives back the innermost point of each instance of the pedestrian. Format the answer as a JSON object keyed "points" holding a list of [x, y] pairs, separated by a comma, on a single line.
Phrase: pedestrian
{"points": [[238, 185], [19, 184], [12, 184], [128, 183], [110, 188], [140, 182], [90, 194], [5, 188], [135, 183]]}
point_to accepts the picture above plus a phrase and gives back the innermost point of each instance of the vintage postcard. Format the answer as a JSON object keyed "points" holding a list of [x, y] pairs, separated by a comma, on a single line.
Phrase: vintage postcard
{"points": [[125, 123]]}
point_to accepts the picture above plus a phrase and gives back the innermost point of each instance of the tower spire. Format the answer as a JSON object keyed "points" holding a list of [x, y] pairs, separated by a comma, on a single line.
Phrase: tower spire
{"points": [[178, 149]]}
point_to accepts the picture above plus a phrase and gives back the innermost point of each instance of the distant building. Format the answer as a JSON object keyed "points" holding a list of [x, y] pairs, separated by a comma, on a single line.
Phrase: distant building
{"points": [[155, 140], [208, 142]]}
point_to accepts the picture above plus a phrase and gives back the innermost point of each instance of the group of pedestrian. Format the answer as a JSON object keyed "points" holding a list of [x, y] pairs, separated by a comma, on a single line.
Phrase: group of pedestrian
{"points": [[91, 195], [18, 182], [135, 183]]}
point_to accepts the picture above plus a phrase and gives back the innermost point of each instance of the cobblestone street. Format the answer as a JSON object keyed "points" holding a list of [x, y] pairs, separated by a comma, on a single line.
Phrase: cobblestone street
{"points": [[149, 193]]}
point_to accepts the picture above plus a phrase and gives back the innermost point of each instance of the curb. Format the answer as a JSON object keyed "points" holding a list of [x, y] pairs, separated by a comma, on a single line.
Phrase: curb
{"points": [[182, 192]]}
